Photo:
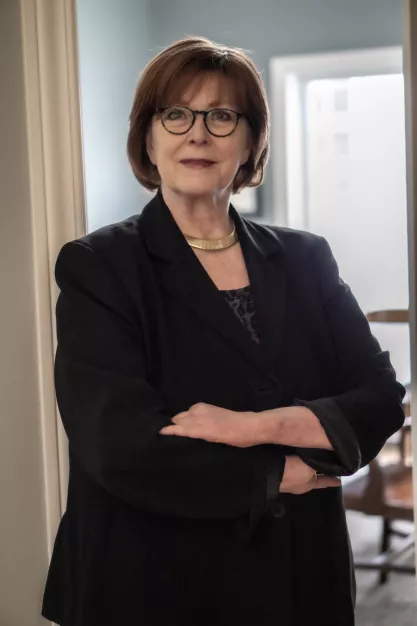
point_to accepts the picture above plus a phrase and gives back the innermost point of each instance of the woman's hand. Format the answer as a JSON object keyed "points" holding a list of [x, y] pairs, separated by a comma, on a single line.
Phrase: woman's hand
{"points": [[213, 423], [242, 430], [290, 426], [299, 478]]}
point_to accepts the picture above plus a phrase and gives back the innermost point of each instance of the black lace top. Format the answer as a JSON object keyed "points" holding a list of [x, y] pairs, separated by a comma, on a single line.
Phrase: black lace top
{"points": [[241, 303]]}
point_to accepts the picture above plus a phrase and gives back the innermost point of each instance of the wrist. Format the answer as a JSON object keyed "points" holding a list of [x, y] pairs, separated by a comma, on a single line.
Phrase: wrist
{"points": [[269, 426]]}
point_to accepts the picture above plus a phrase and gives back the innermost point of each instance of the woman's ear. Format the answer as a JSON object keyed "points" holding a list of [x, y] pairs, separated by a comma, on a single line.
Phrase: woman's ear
{"points": [[246, 155]]}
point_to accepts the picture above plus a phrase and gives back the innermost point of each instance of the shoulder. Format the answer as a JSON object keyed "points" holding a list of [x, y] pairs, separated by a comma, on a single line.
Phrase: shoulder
{"points": [[288, 240], [291, 237], [113, 237], [111, 243], [102, 258], [120, 242], [307, 256]]}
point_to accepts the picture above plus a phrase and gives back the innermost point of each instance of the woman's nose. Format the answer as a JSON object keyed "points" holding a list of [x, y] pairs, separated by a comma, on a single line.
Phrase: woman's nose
{"points": [[198, 132]]}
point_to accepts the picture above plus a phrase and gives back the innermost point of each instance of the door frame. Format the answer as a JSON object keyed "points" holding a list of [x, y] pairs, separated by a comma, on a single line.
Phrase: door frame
{"points": [[53, 122], [410, 82]]}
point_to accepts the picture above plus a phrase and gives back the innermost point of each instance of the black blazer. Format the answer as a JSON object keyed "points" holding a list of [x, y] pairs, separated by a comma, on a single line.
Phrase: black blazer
{"points": [[161, 531]]}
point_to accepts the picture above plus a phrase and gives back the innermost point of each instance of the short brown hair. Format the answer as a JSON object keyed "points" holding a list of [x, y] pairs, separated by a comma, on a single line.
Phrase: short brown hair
{"points": [[162, 80]]}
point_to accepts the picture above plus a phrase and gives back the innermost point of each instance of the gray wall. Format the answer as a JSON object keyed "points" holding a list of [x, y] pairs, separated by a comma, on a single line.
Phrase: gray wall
{"points": [[114, 42], [119, 37], [277, 27], [271, 28], [23, 545]]}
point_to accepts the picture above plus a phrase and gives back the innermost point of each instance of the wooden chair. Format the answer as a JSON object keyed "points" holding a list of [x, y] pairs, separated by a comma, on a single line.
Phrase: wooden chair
{"points": [[389, 316], [386, 490], [397, 316]]}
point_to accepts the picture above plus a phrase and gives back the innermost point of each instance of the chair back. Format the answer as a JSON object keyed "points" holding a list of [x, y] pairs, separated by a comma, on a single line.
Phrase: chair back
{"points": [[389, 316]]}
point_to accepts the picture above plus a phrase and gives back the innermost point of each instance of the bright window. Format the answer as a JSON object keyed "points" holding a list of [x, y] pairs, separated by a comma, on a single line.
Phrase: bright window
{"points": [[338, 155]]}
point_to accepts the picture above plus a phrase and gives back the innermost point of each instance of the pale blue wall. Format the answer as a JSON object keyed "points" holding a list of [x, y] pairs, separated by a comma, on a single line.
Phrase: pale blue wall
{"points": [[114, 43], [278, 27], [117, 37]]}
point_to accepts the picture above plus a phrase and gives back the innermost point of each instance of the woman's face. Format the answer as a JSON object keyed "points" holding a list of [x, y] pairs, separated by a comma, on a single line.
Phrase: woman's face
{"points": [[176, 156]]}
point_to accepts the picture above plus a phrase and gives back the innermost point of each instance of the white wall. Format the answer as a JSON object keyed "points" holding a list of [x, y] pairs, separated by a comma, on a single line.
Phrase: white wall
{"points": [[356, 194], [23, 545]]}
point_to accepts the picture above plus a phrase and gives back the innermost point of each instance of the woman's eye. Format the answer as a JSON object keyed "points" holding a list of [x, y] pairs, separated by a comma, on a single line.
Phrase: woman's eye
{"points": [[175, 114], [220, 115]]}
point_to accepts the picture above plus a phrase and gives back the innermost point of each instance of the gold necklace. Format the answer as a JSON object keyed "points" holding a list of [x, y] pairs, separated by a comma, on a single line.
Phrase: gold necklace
{"points": [[213, 244]]}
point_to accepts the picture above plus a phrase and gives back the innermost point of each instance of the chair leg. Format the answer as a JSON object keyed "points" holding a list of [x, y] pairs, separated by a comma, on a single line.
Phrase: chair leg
{"points": [[385, 544], [403, 447]]}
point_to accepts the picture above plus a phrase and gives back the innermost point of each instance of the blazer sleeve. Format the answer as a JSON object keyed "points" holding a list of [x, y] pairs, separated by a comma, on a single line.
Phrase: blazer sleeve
{"points": [[368, 410], [112, 415]]}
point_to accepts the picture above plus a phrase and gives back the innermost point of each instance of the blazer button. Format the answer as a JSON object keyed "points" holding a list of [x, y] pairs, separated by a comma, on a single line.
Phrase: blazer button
{"points": [[264, 390], [278, 509]]}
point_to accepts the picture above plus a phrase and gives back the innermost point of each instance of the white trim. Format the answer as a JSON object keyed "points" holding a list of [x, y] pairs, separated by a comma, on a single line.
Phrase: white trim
{"points": [[410, 83], [289, 76], [57, 202]]}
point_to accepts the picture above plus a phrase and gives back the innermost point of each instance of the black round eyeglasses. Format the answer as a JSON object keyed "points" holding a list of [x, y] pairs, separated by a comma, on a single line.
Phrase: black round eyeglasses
{"points": [[178, 120]]}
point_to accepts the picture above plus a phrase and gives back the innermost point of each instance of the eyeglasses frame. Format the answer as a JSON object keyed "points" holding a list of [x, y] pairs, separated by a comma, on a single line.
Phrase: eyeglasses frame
{"points": [[195, 113]]}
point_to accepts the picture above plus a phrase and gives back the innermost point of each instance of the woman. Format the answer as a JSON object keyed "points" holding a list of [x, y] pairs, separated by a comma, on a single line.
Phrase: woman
{"points": [[214, 377]]}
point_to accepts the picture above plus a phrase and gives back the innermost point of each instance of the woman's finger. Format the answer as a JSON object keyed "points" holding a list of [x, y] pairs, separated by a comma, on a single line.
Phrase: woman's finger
{"points": [[170, 430], [179, 417], [319, 482], [323, 482]]}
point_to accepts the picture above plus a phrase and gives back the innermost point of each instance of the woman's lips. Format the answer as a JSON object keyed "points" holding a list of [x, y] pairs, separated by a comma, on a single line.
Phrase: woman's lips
{"points": [[197, 163]]}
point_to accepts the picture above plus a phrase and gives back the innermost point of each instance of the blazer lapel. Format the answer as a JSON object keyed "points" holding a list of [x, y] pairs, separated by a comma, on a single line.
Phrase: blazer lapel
{"points": [[265, 262], [180, 272]]}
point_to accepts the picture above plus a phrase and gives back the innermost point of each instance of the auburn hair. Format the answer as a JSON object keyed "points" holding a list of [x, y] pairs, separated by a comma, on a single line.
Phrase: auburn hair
{"points": [[169, 73]]}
